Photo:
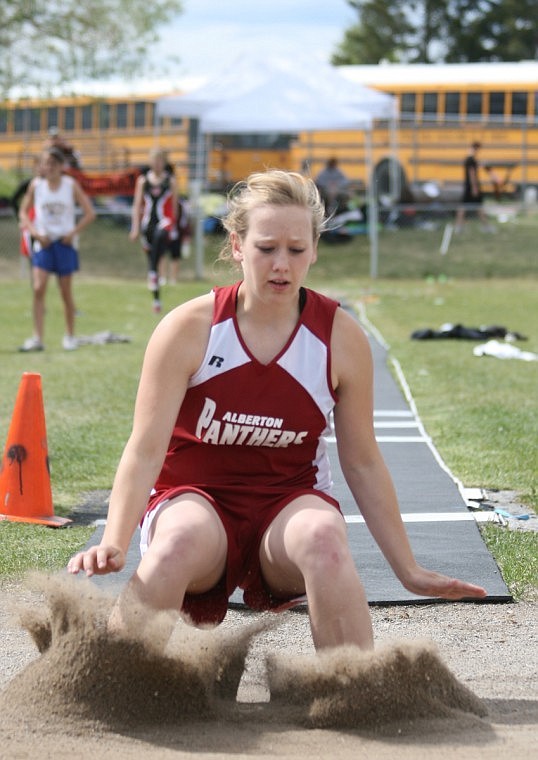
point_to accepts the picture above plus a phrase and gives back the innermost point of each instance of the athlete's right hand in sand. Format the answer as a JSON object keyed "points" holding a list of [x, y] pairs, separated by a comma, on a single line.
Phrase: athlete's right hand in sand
{"points": [[97, 560]]}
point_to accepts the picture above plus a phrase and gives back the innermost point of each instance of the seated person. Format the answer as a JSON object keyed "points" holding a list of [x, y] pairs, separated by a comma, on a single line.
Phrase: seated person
{"points": [[333, 186]]}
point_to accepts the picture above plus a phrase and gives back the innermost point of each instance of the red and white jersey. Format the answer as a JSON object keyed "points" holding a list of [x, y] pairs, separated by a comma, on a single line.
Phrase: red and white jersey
{"points": [[158, 208], [256, 429]]}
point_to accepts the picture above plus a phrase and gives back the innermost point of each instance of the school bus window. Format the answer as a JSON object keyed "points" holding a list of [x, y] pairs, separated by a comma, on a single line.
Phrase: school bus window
{"points": [[52, 117], [3, 120], [519, 103], [176, 121], [140, 114], [474, 104], [20, 119], [452, 103], [69, 118], [151, 115], [104, 115], [496, 103], [536, 106], [35, 120], [429, 104], [121, 115], [86, 112], [408, 103]]}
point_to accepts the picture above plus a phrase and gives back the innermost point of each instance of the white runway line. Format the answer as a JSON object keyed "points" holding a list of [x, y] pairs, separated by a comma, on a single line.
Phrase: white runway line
{"points": [[392, 413], [400, 439], [395, 424], [430, 517], [388, 439], [403, 418], [409, 517]]}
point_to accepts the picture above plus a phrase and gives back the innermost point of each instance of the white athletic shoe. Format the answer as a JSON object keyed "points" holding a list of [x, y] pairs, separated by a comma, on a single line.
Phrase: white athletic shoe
{"points": [[69, 343], [156, 306], [32, 344]]}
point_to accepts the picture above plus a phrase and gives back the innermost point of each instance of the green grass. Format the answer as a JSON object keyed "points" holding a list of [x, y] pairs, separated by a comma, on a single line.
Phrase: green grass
{"points": [[88, 395], [8, 183], [516, 553], [481, 413], [36, 547], [414, 253]]}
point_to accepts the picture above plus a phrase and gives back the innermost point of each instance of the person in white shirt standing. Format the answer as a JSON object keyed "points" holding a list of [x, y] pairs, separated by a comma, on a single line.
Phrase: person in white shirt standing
{"points": [[54, 229]]}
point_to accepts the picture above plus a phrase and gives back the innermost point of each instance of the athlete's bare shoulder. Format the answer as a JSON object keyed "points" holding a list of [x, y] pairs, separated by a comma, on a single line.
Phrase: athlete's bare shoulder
{"points": [[183, 333], [350, 348], [189, 314]]}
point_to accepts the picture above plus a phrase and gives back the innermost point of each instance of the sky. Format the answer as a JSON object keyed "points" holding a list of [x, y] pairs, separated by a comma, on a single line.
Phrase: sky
{"points": [[210, 34]]}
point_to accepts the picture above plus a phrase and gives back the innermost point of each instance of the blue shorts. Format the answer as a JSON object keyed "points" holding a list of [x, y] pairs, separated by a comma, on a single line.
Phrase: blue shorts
{"points": [[58, 258]]}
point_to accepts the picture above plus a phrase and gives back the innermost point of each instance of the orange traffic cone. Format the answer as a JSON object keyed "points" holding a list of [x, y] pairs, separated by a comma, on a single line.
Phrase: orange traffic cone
{"points": [[25, 491]]}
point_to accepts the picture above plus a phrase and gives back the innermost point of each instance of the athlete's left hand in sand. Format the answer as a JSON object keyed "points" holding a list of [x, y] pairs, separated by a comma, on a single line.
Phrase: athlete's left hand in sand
{"points": [[429, 583]]}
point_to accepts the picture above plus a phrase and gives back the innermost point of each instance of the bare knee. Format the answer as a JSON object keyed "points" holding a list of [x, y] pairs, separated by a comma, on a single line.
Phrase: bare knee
{"points": [[178, 543], [66, 292], [320, 545], [192, 549], [306, 542], [39, 289]]}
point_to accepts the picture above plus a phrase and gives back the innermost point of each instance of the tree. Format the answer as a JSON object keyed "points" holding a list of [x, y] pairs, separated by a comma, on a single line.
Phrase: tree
{"points": [[497, 30], [50, 42], [430, 28], [440, 30], [380, 34]]}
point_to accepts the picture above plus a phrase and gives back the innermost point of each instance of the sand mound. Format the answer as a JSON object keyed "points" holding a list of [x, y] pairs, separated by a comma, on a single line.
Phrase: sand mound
{"points": [[348, 688], [86, 674]]}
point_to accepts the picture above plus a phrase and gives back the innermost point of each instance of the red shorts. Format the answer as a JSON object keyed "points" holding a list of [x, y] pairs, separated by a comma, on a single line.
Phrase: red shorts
{"points": [[244, 528]]}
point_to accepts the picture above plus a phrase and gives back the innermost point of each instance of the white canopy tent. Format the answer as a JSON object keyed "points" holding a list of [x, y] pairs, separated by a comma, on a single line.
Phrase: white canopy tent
{"points": [[253, 96]]}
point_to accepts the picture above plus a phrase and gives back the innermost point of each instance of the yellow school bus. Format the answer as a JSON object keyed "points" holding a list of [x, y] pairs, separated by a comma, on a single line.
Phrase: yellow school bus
{"points": [[442, 108], [109, 134]]}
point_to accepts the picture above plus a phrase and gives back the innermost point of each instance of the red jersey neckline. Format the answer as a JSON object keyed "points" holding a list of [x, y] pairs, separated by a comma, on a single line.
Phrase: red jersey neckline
{"points": [[284, 348]]}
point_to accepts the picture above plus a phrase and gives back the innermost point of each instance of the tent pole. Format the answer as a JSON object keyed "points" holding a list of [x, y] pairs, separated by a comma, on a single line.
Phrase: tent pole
{"points": [[195, 193], [396, 189], [372, 206], [156, 128]]}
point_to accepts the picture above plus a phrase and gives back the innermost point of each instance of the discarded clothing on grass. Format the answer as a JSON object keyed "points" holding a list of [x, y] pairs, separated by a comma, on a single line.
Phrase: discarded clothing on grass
{"points": [[100, 338], [459, 331], [504, 351]]}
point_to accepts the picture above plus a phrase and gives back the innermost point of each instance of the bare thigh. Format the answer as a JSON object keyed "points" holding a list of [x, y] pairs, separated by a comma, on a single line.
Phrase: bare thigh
{"points": [[188, 537], [306, 527], [65, 283]]}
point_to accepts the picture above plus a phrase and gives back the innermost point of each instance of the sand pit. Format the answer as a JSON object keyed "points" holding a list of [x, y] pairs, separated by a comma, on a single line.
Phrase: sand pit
{"points": [[124, 681], [80, 691]]}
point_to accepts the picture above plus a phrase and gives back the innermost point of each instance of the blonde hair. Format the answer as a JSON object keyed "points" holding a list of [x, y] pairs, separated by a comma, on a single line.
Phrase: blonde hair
{"points": [[158, 153], [271, 188]]}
